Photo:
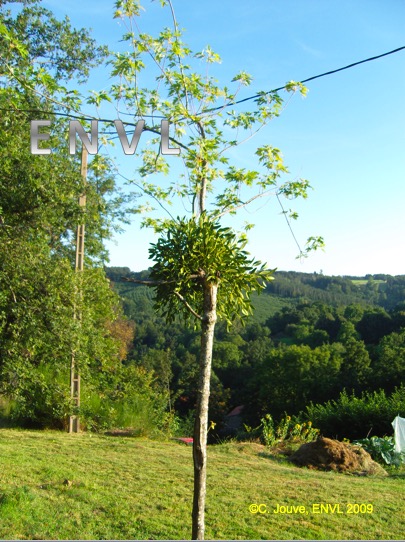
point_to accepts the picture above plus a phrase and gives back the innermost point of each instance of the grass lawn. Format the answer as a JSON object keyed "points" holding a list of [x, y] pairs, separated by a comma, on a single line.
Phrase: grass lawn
{"points": [[59, 486]]}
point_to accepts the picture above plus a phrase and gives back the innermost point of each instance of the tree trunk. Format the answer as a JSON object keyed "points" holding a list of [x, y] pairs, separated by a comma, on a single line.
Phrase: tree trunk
{"points": [[201, 418]]}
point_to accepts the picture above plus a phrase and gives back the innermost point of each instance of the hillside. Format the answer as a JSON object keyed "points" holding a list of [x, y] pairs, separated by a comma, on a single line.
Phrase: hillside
{"points": [[383, 290], [288, 288], [331, 332]]}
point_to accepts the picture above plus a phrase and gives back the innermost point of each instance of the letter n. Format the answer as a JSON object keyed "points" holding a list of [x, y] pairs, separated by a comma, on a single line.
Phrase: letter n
{"points": [[76, 128]]}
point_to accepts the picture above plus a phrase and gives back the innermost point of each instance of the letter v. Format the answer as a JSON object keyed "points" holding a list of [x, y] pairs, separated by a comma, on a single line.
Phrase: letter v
{"points": [[129, 149]]}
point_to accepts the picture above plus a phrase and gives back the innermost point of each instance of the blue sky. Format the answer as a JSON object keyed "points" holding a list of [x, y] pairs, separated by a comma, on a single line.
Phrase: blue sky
{"points": [[347, 137]]}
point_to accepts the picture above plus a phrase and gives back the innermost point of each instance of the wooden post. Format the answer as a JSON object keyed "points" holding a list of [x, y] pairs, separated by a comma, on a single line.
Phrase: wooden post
{"points": [[74, 422]]}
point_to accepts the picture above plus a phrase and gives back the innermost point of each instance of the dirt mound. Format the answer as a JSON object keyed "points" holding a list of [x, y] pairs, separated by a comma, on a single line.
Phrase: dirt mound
{"points": [[328, 454]]}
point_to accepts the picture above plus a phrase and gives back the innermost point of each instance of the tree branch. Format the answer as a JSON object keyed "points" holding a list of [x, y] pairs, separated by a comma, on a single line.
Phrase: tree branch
{"points": [[156, 131], [147, 193], [289, 226], [193, 312], [231, 209], [146, 282], [203, 186], [178, 56], [156, 282]]}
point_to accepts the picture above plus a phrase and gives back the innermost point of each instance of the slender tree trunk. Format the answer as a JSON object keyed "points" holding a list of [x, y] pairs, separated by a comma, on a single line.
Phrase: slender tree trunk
{"points": [[201, 419]]}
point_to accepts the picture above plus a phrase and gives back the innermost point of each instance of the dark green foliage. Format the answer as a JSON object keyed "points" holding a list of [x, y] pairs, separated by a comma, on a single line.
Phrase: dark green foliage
{"points": [[41, 399], [393, 291], [355, 369], [316, 287], [304, 322], [387, 292], [131, 400], [283, 302], [355, 417], [190, 252], [38, 334], [266, 305], [289, 377], [374, 325], [382, 450], [389, 365], [64, 52]]}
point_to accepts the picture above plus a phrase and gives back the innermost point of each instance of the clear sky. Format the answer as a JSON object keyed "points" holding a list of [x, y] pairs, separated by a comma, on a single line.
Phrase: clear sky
{"points": [[347, 137]]}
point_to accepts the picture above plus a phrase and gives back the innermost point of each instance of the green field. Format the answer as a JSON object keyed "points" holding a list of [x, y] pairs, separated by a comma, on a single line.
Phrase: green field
{"points": [[59, 486], [363, 282]]}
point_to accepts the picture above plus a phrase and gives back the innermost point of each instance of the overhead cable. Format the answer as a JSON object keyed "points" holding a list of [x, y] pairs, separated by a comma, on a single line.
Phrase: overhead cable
{"points": [[309, 79], [89, 117]]}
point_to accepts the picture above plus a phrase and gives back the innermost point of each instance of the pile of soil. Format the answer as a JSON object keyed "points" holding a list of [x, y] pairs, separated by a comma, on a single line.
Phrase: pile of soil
{"points": [[328, 454]]}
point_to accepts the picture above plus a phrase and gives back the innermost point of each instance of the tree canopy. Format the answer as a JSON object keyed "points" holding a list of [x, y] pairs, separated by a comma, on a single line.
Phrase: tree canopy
{"points": [[39, 214]]}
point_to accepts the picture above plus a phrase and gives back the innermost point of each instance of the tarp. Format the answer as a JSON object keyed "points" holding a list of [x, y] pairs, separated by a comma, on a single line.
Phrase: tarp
{"points": [[399, 436]]}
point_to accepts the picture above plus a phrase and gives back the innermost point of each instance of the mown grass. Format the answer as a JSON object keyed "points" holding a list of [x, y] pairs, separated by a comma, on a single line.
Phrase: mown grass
{"points": [[59, 486]]}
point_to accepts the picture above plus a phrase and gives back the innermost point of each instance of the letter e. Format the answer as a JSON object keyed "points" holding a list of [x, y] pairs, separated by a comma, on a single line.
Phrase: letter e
{"points": [[36, 136]]}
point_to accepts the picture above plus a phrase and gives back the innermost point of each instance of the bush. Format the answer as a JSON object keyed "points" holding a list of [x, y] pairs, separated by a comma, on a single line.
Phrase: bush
{"points": [[287, 429], [132, 403], [355, 417], [42, 401], [124, 399], [183, 426]]}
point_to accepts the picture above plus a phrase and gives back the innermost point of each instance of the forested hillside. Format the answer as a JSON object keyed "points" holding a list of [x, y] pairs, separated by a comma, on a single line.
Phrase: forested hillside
{"points": [[383, 290], [289, 287], [312, 337]]}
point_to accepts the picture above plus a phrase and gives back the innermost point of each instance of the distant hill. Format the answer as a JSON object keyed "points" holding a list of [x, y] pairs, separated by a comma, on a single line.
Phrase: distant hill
{"points": [[384, 290], [287, 288]]}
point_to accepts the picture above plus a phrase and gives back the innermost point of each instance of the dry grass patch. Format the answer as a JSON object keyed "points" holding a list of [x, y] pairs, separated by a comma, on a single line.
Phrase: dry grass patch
{"points": [[329, 454]]}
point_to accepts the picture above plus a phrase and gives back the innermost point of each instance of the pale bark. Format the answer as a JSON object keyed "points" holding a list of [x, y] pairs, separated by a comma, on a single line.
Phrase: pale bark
{"points": [[201, 419]]}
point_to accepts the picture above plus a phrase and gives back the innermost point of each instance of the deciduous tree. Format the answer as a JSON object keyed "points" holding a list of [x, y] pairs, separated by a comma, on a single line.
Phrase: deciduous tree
{"points": [[39, 213], [201, 271]]}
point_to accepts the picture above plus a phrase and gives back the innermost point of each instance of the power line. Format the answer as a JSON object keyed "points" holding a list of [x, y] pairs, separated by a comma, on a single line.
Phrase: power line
{"points": [[78, 117], [88, 117], [309, 79]]}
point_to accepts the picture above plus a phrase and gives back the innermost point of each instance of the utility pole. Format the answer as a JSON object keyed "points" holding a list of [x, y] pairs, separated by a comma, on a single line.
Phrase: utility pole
{"points": [[74, 422]]}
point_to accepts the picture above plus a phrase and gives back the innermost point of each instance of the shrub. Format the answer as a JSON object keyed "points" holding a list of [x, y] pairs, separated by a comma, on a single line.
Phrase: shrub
{"points": [[183, 426], [355, 417], [42, 400], [132, 403]]}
